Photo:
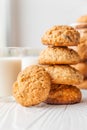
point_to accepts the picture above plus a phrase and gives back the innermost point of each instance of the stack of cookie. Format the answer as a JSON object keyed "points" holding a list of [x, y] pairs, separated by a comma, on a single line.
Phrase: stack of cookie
{"points": [[81, 27], [56, 59]]}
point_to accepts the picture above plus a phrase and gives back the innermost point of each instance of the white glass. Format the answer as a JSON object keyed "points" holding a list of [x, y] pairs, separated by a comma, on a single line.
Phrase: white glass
{"points": [[10, 66], [12, 61]]}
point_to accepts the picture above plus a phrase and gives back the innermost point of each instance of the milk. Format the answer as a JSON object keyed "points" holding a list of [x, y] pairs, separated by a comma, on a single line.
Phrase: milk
{"points": [[9, 69], [30, 60]]}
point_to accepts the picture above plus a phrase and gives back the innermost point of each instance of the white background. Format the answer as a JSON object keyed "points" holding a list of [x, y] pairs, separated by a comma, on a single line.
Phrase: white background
{"points": [[28, 19]]}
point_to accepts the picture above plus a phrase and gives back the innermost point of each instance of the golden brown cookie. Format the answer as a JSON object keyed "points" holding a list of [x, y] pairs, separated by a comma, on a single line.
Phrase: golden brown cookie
{"points": [[32, 86], [82, 67], [58, 55], [64, 94], [61, 36], [83, 85], [82, 50], [64, 74], [82, 19]]}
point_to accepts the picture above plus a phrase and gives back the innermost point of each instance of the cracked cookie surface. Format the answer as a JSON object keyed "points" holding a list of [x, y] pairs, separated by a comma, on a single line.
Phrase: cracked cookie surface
{"points": [[64, 74], [32, 86], [61, 36], [58, 55]]}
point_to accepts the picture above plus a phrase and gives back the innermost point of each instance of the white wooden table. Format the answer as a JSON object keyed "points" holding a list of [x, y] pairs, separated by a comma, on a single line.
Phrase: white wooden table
{"points": [[43, 116]]}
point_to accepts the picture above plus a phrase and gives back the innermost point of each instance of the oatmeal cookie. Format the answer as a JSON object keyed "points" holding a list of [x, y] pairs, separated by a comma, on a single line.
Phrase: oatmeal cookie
{"points": [[32, 86], [58, 55], [82, 19], [64, 74], [61, 36], [63, 94]]}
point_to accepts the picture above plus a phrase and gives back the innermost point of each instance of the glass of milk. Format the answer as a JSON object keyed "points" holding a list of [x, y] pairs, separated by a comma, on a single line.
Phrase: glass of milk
{"points": [[12, 61], [10, 66]]}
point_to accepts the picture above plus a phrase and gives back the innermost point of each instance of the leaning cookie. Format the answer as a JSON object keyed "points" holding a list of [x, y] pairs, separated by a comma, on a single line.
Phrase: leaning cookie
{"points": [[64, 74], [63, 94], [61, 36], [58, 55], [32, 86]]}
